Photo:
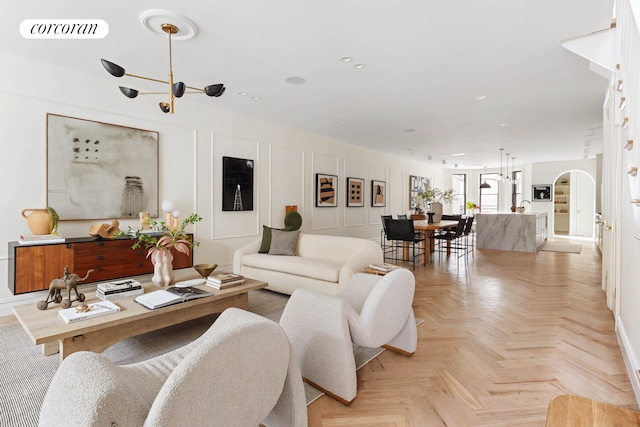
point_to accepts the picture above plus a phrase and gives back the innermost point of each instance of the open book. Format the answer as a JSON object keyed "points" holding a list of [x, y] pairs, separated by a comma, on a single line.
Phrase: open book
{"points": [[170, 296]]}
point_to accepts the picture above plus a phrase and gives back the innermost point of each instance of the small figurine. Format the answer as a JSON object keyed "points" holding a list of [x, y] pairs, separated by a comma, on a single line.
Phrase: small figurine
{"points": [[69, 281], [144, 221]]}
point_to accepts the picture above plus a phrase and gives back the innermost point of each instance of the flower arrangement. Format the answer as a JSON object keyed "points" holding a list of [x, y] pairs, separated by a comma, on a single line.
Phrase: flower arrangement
{"points": [[472, 205], [162, 237], [429, 195]]}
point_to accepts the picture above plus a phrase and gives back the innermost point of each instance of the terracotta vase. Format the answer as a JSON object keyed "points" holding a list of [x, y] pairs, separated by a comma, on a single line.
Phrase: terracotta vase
{"points": [[163, 268], [38, 220]]}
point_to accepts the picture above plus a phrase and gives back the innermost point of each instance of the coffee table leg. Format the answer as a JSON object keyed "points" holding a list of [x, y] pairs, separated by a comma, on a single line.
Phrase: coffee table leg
{"points": [[50, 348]]}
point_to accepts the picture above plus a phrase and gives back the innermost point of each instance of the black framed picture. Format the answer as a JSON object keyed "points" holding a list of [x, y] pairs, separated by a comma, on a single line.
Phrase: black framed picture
{"points": [[541, 192], [326, 190], [355, 192], [237, 184], [378, 193]]}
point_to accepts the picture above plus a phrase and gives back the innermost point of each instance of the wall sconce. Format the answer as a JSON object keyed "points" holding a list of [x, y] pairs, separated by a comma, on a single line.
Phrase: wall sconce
{"points": [[622, 102], [619, 86], [625, 123], [629, 145]]}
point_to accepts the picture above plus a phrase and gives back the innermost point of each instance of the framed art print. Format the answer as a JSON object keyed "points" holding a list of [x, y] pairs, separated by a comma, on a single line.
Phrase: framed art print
{"points": [[378, 193], [99, 170], [355, 192], [417, 184], [541, 193], [237, 184], [326, 190]]}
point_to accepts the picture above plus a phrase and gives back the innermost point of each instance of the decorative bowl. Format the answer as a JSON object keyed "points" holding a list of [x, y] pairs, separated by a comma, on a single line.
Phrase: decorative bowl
{"points": [[205, 269]]}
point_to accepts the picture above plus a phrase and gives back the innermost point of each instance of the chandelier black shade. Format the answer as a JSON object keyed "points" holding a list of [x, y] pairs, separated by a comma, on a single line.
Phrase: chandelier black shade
{"points": [[176, 90]]}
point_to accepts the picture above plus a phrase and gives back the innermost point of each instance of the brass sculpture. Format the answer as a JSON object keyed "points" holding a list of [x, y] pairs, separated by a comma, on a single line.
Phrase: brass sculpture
{"points": [[68, 281]]}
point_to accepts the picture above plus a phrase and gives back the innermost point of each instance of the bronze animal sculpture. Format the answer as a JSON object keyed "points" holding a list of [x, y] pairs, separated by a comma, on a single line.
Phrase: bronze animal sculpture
{"points": [[69, 282]]}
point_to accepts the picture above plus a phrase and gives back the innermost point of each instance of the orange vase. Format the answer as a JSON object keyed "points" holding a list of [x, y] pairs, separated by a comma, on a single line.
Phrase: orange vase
{"points": [[38, 220]]}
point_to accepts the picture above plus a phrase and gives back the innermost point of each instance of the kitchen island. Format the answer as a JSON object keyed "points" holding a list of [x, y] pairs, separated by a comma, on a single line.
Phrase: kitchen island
{"points": [[508, 231]]}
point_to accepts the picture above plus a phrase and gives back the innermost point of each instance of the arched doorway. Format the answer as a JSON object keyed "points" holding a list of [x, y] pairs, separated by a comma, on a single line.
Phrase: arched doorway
{"points": [[574, 204]]}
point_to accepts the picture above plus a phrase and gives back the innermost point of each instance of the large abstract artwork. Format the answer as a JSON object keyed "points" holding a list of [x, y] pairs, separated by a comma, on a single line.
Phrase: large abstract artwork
{"points": [[98, 170], [326, 189], [237, 187]]}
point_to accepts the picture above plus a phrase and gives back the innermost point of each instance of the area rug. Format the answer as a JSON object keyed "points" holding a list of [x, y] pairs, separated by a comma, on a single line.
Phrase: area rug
{"points": [[573, 248], [26, 372]]}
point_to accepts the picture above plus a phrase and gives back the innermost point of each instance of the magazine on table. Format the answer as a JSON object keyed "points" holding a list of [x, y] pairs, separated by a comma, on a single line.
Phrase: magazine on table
{"points": [[173, 295], [384, 266]]}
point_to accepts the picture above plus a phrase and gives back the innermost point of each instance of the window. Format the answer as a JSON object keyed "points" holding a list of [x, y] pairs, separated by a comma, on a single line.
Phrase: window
{"points": [[489, 196], [459, 186]]}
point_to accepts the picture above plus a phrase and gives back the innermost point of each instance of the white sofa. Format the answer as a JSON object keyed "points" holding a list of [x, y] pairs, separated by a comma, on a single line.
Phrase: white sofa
{"points": [[322, 263]]}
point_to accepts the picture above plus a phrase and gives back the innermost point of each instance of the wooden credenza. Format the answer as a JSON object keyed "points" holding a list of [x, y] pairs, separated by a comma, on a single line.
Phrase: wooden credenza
{"points": [[33, 267]]}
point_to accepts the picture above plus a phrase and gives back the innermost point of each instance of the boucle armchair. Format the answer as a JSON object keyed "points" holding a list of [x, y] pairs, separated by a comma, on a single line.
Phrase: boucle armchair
{"points": [[240, 372], [371, 311]]}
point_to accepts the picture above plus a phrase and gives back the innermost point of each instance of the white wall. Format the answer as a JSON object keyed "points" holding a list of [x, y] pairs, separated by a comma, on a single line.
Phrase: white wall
{"points": [[192, 143]]}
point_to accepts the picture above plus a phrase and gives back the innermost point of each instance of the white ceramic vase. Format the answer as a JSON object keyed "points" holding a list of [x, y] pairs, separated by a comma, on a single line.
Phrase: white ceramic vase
{"points": [[163, 268], [436, 208]]}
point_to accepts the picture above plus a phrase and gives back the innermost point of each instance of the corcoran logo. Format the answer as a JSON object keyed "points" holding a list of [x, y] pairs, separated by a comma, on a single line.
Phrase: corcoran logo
{"points": [[64, 29]]}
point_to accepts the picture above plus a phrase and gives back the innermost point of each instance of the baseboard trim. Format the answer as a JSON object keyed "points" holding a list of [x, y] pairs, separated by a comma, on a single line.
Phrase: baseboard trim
{"points": [[630, 361]]}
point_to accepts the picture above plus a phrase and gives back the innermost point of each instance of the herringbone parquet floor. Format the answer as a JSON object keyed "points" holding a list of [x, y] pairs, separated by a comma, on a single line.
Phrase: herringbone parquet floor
{"points": [[500, 339]]}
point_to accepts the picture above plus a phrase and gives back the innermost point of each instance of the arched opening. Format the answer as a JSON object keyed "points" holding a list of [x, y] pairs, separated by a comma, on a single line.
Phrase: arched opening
{"points": [[574, 204]]}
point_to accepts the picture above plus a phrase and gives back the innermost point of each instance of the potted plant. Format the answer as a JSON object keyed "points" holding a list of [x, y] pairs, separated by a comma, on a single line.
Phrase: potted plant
{"points": [[472, 207], [159, 241], [435, 197]]}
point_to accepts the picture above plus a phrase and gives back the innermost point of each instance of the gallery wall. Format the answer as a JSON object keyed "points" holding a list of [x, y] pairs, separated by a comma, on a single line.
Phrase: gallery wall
{"points": [[192, 143]]}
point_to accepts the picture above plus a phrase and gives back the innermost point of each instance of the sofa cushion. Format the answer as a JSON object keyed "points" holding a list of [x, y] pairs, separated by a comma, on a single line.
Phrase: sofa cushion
{"points": [[320, 269], [265, 245], [283, 242]]}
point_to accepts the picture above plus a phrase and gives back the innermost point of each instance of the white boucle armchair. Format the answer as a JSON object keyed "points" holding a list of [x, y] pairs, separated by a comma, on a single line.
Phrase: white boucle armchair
{"points": [[371, 311], [241, 372]]}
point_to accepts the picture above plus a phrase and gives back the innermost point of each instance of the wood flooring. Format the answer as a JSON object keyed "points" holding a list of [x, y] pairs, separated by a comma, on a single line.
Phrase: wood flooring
{"points": [[501, 338]]}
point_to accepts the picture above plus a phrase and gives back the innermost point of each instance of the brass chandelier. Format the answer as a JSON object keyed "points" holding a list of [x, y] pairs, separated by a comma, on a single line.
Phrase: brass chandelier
{"points": [[176, 90]]}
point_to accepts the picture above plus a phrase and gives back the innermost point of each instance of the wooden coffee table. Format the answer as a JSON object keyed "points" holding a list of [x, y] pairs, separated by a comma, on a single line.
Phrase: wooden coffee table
{"points": [[97, 334]]}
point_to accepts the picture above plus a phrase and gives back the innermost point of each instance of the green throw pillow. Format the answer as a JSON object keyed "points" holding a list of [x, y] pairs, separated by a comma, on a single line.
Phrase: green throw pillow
{"points": [[284, 242], [266, 240]]}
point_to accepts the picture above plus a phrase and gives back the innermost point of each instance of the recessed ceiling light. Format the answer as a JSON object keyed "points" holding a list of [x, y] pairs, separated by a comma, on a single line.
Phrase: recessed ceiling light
{"points": [[457, 154], [296, 80], [479, 97], [242, 93], [358, 66], [410, 130], [346, 59], [255, 98], [505, 124], [343, 123]]}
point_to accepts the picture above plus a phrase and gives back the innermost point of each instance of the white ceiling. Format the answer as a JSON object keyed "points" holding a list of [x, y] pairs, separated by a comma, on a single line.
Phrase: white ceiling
{"points": [[425, 62]]}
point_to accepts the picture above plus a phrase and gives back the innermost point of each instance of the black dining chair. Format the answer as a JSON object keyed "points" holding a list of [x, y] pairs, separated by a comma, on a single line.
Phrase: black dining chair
{"points": [[385, 242], [449, 241], [402, 234]]}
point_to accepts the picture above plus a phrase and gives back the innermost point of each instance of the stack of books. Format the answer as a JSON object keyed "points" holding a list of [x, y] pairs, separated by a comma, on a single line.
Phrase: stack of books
{"points": [[39, 239], [380, 269], [118, 289], [224, 280]]}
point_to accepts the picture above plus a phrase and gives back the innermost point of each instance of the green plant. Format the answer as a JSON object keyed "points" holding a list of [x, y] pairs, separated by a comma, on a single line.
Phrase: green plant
{"points": [[164, 238], [53, 221], [471, 206], [430, 195]]}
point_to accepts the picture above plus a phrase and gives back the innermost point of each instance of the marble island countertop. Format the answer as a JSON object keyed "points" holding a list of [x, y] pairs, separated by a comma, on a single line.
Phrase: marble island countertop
{"points": [[514, 213], [511, 231]]}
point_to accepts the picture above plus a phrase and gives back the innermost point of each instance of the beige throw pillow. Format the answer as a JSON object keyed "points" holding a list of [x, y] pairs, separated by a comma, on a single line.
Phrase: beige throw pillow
{"points": [[283, 242]]}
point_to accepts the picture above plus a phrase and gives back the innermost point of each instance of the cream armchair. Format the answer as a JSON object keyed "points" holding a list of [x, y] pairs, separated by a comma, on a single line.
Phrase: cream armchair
{"points": [[240, 372], [371, 311]]}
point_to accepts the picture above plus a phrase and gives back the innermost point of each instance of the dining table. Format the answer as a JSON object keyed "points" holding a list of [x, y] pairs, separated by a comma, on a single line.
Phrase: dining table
{"points": [[427, 231]]}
